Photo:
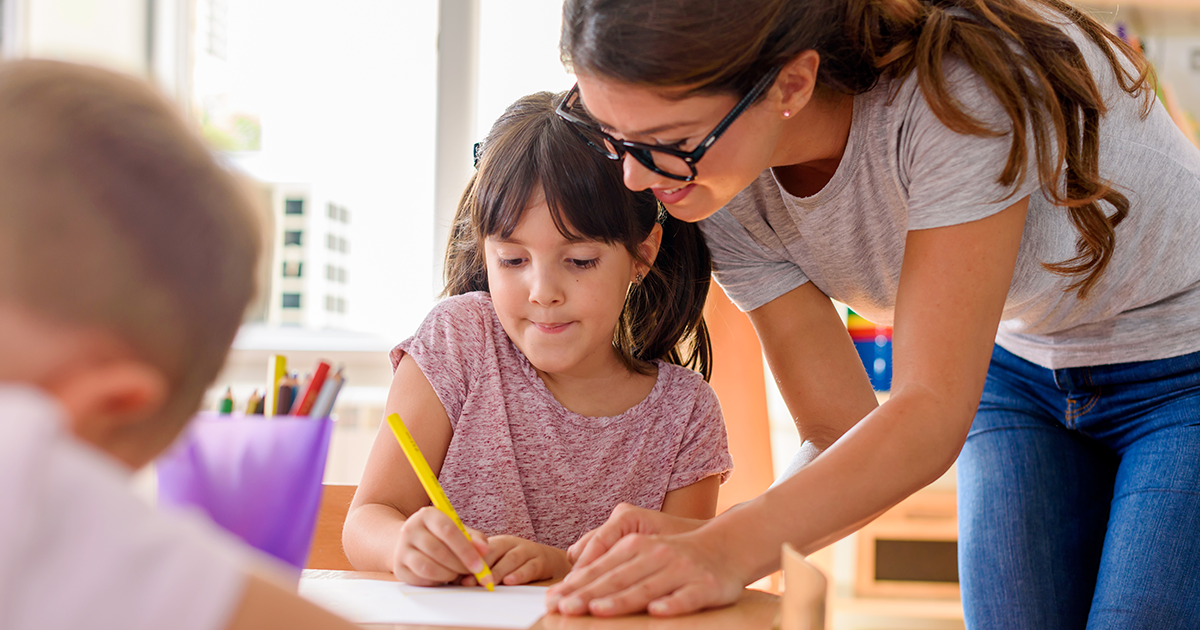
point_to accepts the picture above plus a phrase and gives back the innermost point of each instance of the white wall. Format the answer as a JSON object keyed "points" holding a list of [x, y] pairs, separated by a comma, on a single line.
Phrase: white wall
{"points": [[105, 32]]}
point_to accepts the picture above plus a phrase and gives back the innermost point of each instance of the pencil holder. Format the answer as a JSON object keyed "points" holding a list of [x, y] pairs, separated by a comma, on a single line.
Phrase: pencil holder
{"points": [[258, 478]]}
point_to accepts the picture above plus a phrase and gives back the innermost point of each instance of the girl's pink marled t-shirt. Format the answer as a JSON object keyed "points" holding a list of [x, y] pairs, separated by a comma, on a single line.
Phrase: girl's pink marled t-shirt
{"points": [[521, 464]]}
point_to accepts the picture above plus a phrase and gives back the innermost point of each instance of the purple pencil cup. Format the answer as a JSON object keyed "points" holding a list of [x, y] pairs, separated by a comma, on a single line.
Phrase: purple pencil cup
{"points": [[258, 478]]}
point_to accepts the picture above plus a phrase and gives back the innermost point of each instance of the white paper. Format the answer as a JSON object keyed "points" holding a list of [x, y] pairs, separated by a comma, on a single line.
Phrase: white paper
{"points": [[378, 601]]}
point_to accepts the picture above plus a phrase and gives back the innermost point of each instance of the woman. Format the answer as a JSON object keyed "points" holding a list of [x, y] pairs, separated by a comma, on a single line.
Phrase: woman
{"points": [[995, 180]]}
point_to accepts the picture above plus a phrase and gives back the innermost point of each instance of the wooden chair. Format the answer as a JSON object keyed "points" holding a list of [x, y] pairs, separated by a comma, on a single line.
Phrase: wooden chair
{"points": [[326, 552], [804, 591]]}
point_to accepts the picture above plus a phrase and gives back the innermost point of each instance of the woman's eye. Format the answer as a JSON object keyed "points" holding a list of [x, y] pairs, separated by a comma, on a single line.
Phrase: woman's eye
{"points": [[584, 264], [511, 262]]}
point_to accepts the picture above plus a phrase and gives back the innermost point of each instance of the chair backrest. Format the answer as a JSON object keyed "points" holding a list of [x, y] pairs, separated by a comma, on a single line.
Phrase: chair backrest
{"points": [[804, 592], [326, 552]]}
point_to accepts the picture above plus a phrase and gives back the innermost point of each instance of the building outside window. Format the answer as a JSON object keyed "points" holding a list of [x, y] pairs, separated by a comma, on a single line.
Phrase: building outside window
{"points": [[331, 242], [292, 237], [291, 300], [343, 245], [293, 206], [293, 269]]}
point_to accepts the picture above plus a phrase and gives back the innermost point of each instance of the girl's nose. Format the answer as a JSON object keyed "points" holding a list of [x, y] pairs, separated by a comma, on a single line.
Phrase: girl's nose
{"points": [[545, 289]]}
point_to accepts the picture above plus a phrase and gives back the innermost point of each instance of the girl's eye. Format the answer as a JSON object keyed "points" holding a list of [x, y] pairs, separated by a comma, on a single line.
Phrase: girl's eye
{"points": [[511, 262], [584, 264]]}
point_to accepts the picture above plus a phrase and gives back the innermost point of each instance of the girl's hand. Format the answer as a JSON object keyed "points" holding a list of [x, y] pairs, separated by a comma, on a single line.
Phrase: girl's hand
{"points": [[518, 561], [432, 551]]}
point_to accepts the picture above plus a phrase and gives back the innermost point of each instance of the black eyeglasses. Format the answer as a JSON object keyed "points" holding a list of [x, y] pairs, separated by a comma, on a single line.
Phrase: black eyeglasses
{"points": [[664, 160]]}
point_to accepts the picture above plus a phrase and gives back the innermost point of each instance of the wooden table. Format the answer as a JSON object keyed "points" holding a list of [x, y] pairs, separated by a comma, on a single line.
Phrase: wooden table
{"points": [[755, 610]]}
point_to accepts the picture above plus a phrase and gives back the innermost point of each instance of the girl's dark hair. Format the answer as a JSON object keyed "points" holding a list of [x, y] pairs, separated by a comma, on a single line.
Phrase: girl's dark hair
{"points": [[531, 150], [1034, 69]]}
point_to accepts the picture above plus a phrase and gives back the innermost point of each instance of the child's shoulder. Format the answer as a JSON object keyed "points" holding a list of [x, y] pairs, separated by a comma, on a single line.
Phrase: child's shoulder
{"points": [[473, 303], [458, 311], [681, 382]]}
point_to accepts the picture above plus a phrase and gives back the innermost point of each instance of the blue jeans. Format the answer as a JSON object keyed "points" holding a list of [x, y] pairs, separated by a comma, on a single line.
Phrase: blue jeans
{"points": [[1079, 497]]}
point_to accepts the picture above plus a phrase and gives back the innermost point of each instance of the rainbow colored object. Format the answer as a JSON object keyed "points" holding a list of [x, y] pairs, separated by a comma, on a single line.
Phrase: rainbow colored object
{"points": [[874, 346]]}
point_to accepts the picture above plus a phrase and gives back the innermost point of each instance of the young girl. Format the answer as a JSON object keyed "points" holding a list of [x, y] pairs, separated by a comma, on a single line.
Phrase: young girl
{"points": [[553, 384]]}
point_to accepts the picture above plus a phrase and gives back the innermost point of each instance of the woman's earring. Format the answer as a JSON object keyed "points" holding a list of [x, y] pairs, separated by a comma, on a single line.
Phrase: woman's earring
{"points": [[787, 113], [637, 280]]}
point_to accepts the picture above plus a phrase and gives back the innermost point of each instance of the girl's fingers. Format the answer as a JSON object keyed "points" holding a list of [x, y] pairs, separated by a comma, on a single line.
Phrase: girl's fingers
{"points": [[429, 558], [466, 558], [479, 540], [513, 558], [533, 569]]}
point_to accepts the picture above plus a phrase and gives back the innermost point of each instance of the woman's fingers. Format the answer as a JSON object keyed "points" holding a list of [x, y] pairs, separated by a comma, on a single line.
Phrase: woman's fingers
{"points": [[574, 551], [627, 589], [601, 577], [689, 598], [665, 575], [625, 519]]}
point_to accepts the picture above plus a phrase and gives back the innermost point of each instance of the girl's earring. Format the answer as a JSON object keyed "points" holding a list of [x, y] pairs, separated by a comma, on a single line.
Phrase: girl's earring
{"points": [[637, 280], [787, 113]]}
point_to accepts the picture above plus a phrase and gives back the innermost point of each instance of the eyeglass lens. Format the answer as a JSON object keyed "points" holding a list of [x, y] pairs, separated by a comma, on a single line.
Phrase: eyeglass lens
{"points": [[654, 160]]}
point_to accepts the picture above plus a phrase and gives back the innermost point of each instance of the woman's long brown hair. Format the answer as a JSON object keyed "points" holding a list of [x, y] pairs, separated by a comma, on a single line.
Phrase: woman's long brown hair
{"points": [[1034, 69]]}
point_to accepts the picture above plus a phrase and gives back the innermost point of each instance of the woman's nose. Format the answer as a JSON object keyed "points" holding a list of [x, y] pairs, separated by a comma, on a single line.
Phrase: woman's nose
{"points": [[637, 176]]}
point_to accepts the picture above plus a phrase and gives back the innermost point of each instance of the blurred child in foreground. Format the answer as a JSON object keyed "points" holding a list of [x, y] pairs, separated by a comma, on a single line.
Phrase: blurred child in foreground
{"points": [[127, 258]]}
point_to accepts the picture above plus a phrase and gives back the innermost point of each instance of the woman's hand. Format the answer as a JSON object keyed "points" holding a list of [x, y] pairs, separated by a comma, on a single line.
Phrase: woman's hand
{"points": [[515, 561], [431, 550], [664, 575], [645, 560], [626, 519]]}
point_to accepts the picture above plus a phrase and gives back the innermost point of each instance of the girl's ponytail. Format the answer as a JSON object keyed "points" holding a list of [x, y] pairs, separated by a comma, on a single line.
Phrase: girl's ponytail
{"points": [[664, 313]]}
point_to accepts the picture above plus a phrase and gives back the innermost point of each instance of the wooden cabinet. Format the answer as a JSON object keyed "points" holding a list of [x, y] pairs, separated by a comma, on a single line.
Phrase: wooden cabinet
{"points": [[911, 550]]}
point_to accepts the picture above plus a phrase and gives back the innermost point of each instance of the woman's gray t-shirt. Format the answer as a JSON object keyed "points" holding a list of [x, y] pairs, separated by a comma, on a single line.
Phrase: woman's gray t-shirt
{"points": [[904, 170]]}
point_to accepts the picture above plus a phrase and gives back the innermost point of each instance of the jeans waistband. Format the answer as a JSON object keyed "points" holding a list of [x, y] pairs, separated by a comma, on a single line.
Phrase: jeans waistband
{"points": [[1092, 376]]}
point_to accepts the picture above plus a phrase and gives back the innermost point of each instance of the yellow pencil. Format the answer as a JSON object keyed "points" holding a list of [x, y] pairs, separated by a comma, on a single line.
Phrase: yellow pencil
{"points": [[276, 371], [432, 487]]}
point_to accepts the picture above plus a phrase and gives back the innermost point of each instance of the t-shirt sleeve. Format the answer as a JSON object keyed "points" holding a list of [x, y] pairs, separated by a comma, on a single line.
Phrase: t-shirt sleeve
{"points": [[751, 273], [449, 346], [705, 448], [951, 178]]}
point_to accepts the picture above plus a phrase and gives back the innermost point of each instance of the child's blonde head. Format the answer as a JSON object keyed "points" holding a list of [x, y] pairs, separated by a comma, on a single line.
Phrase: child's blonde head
{"points": [[531, 150], [115, 217]]}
